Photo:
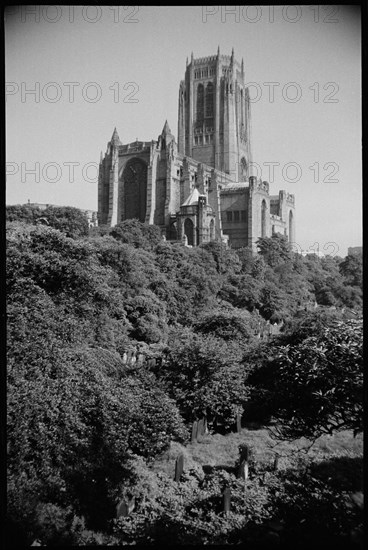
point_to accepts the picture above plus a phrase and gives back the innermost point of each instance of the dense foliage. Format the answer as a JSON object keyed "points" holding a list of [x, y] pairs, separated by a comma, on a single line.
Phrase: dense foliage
{"points": [[85, 423]]}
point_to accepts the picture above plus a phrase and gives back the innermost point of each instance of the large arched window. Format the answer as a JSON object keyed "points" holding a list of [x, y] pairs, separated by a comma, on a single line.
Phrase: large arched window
{"points": [[209, 100], [173, 233], [243, 176], [291, 227], [135, 189], [212, 230], [242, 107], [189, 231], [263, 218], [200, 104]]}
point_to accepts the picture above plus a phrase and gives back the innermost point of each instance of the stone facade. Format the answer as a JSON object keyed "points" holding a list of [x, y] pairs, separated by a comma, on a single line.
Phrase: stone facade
{"points": [[199, 188]]}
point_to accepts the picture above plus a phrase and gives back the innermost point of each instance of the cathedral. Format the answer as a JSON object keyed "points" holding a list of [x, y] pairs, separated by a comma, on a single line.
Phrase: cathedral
{"points": [[197, 188]]}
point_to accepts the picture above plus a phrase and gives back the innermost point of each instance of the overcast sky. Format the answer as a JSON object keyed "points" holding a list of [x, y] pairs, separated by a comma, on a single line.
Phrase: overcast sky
{"points": [[92, 69]]}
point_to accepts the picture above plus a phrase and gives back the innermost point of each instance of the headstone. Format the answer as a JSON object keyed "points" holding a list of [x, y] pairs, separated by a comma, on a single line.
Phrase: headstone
{"points": [[227, 500], [238, 423], [152, 363], [179, 467], [243, 470], [194, 431], [200, 428], [140, 358], [244, 452], [124, 358], [125, 507], [276, 463]]}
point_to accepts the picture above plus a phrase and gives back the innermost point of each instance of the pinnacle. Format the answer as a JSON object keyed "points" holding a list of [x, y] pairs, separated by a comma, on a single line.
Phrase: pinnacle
{"points": [[166, 128], [115, 137]]}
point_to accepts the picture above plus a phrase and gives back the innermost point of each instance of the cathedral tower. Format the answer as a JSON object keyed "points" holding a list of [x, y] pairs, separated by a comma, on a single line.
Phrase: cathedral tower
{"points": [[214, 115]]}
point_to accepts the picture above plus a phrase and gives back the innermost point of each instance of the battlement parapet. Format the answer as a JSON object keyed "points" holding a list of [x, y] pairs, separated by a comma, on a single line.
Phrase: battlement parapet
{"points": [[213, 59], [134, 147], [258, 185], [203, 60]]}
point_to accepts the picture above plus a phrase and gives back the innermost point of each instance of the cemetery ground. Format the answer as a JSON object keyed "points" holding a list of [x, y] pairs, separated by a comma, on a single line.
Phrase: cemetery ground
{"points": [[309, 495]]}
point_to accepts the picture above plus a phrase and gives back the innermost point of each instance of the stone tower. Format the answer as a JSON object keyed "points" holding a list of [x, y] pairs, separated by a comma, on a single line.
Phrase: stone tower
{"points": [[214, 115], [197, 189]]}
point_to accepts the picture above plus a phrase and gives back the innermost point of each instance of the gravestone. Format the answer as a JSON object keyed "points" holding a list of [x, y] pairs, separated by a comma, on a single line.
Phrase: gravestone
{"points": [[238, 423], [244, 452], [200, 428], [243, 471], [227, 500], [124, 358], [194, 432], [276, 463], [125, 507], [179, 467]]}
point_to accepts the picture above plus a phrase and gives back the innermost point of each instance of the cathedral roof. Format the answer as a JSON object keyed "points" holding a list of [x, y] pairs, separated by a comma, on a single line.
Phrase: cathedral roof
{"points": [[193, 198], [235, 185]]}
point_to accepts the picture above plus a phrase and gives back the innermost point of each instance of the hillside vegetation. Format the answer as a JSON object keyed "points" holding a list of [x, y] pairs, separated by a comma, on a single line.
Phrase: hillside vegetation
{"points": [[118, 341]]}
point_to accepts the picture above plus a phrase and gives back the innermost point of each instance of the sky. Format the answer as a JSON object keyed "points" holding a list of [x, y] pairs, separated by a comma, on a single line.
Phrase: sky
{"points": [[73, 73]]}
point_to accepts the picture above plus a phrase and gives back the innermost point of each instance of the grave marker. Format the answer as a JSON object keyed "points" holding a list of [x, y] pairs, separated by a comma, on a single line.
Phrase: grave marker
{"points": [[194, 432], [238, 423], [227, 500], [179, 467]]}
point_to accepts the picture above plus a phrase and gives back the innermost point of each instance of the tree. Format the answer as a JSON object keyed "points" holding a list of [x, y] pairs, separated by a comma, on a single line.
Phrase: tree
{"points": [[352, 269], [71, 221], [314, 386], [204, 376], [137, 234], [275, 250]]}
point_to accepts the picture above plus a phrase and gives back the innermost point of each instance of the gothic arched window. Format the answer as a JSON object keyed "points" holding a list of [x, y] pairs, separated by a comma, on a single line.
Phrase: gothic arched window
{"points": [[135, 189], [291, 227], [189, 231], [200, 104], [263, 219], [209, 100], [212, 230], [243, 170]]}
